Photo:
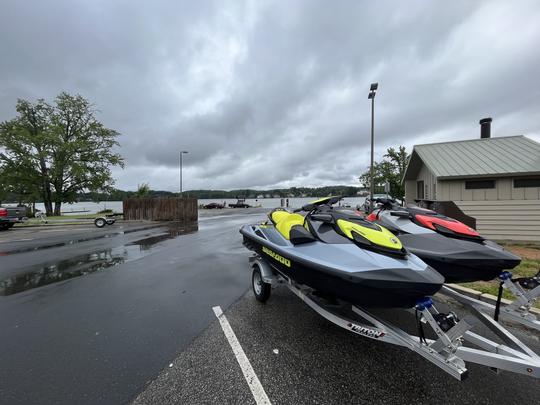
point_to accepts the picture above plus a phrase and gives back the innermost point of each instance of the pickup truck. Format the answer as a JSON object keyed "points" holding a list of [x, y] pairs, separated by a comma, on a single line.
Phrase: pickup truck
{"points": [[9, 216]]}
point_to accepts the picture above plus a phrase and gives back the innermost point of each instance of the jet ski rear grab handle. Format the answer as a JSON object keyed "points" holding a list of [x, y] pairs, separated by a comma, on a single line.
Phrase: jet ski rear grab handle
{"points": [[447, 352]]}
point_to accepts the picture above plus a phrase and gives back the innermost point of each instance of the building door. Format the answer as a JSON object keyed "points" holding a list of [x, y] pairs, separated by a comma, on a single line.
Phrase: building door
{"points": [[420, 190]]}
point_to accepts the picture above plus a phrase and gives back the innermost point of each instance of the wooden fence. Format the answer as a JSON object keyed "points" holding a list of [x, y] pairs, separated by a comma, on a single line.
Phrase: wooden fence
{"points": [[161, 209]]}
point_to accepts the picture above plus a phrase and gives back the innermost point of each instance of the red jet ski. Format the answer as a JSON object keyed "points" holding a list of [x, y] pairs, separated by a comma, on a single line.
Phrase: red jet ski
{"points": [[454, 249]]}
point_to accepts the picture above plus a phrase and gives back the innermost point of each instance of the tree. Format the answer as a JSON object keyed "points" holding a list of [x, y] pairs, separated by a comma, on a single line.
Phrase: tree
{"points": [[58, 150], [24, 160], [4, 186], [143, 190], [391, 169]]}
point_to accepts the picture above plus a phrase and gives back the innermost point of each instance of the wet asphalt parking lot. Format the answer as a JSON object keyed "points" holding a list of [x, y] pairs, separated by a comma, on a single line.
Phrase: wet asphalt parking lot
{"points": [[134, 322]]}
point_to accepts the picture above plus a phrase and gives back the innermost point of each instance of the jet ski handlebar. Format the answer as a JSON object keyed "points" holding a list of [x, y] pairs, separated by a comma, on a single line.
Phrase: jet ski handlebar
{"points": [[322, 217], [307, 208], [386, 203]]}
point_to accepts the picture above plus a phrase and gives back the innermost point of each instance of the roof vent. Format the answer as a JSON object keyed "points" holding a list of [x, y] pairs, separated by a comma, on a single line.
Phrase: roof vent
{"points": [[485, 128]]}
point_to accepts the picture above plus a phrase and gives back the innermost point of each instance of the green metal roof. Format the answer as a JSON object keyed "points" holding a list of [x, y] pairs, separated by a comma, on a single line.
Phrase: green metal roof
{"points": [[503, 156]]}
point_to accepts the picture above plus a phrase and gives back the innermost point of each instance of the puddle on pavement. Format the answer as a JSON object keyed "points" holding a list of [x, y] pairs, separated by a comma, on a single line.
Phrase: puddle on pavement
{"points": [[175, 229], [88, 263]]}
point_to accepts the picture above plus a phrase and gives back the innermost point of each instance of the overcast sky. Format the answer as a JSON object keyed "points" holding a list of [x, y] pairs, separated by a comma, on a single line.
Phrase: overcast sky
{"points": [[274, 93]]}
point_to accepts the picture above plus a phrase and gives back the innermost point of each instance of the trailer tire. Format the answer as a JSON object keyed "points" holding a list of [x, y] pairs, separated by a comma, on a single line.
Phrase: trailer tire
{"points": [[100, 222], [261, 289]]}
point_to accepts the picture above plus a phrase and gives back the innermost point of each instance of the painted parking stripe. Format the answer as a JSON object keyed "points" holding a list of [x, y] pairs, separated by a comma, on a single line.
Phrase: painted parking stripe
{"points": [[252, 380]]}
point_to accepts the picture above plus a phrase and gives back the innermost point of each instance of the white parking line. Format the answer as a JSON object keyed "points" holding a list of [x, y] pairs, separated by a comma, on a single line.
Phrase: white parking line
{"points": [[252, 380]]}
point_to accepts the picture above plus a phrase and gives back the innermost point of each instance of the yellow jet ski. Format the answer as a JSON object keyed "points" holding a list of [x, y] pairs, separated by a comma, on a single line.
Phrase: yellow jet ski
{"points": [[341, 255]]}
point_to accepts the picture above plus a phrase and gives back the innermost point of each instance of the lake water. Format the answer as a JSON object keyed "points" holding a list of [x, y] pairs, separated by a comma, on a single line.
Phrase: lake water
{"points": [[116, 206], [276, 202]]}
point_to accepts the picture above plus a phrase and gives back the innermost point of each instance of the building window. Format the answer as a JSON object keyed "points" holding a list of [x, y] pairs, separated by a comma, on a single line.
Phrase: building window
{"points": [[479, 184], [526, 183]]}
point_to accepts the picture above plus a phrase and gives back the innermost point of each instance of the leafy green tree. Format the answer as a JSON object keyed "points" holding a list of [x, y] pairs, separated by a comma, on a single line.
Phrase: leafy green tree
{"points": [[143, 190], [4, 186], [25, 159], [58, 151], [391, 169]]}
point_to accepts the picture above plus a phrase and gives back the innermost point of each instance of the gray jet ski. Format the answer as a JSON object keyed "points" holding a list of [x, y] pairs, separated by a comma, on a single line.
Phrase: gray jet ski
{"points": [[341, 255]]}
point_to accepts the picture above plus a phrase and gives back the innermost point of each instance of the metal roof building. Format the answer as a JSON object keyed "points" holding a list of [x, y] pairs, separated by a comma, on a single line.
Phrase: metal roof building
{"points": [[504, 156], [495, 180]]}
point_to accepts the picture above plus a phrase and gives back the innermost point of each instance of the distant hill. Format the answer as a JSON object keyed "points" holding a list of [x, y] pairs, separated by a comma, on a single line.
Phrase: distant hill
{"points": [[119, 195]]}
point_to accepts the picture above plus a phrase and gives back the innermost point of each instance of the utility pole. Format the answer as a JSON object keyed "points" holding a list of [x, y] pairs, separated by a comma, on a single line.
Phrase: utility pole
{"points": [[181, 154], [372, 92]]}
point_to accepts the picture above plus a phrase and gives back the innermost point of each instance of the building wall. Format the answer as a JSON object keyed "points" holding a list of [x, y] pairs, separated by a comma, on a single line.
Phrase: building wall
{"points": [[430, 186], [505, 219], [454, 190], [410, 191], [502, 213]]}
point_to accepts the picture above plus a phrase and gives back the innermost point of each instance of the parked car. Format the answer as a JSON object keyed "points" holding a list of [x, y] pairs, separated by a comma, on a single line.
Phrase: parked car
{"points": [[213, 205], [9, 216], [241, 203]]}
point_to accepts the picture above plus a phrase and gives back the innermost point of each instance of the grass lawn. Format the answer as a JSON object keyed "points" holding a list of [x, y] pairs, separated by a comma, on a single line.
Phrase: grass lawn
{"points": [[529, 266]]}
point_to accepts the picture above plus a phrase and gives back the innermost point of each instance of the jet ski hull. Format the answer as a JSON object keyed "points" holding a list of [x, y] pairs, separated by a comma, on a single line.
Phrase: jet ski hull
{"points": [[381, 286], [460, 261]]}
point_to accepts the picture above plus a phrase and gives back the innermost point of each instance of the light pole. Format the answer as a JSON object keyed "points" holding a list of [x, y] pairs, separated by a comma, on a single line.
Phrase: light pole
{"points": [[181, 154], [372, 92]]}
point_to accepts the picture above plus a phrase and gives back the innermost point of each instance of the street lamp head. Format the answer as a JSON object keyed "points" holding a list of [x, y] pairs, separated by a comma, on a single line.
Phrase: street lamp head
{"points": [[184, 151], [374, 86]]}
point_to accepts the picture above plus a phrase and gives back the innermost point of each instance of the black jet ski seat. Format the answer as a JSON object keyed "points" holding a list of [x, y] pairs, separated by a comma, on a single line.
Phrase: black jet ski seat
{"points": [[291, 226]]}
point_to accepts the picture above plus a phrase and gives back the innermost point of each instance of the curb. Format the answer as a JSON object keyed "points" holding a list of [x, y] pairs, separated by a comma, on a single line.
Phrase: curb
{"points": [[490, 299]]}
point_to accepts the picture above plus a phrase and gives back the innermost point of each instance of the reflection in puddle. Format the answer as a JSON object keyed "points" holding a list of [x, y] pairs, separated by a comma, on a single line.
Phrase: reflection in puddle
{"points": [[78, 266]]}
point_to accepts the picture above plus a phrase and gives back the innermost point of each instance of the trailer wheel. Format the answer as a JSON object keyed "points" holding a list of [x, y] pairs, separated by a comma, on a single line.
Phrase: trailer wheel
{"points": [[260, 288], [100, 222]]}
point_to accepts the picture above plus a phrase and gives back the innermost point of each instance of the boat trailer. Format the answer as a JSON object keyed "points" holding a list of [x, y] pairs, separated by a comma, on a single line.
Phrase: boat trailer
{"points": [[518, 310], [447, 351]]}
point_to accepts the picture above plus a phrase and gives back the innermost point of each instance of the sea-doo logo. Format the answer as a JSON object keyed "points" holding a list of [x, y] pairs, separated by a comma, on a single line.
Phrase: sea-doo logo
{"points": [[277, 257], [361, 330]]}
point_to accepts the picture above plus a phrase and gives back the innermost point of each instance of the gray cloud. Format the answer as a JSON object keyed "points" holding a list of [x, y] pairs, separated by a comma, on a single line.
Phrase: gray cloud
{"points": [[275, 93]]}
